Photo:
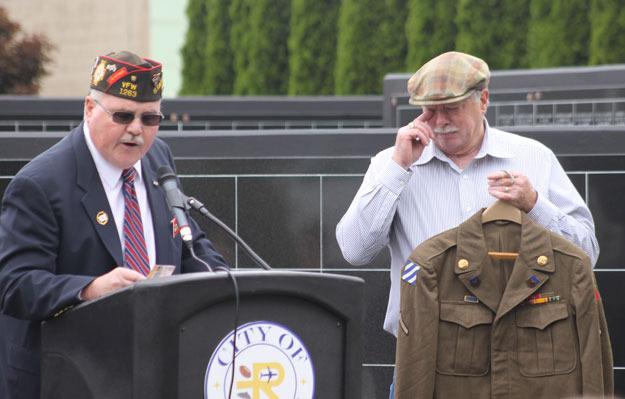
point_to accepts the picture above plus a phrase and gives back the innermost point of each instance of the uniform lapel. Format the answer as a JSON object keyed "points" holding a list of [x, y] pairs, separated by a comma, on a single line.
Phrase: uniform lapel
{"points": [[472, 252], [94, 200], [531, 269]]}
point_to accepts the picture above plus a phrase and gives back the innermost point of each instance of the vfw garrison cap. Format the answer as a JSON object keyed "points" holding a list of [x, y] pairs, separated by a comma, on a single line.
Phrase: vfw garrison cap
{"points": [[126, 75], [447, 78]]}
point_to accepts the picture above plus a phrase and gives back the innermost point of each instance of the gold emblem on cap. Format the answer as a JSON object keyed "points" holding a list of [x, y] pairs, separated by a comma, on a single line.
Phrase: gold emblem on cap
{"points": [[98, 73], [133, 78], [542, 260], [157, 82], [102, 218], [463, 263]]}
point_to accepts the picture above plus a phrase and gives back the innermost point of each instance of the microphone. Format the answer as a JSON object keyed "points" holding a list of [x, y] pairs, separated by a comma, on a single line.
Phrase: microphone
{"points": [[175, 199]]}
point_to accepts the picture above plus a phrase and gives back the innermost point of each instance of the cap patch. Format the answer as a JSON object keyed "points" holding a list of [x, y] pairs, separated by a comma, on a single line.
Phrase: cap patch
{"points": [[126, 75]]}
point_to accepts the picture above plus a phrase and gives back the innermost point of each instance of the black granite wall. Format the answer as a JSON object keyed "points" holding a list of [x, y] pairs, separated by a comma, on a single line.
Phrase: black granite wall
{"points": [[284, 192]]}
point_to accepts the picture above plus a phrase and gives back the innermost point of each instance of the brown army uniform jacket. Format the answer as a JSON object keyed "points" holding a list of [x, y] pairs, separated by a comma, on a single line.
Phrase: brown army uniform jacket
{"points": [[468, 330]]}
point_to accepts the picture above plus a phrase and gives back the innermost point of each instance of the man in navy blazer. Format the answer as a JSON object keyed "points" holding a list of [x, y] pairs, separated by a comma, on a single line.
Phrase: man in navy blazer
{"points": [[62, 237]]}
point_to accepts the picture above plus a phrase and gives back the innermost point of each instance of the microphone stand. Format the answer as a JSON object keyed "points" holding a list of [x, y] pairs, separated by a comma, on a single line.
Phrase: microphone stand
{"points": [[198, 206]]}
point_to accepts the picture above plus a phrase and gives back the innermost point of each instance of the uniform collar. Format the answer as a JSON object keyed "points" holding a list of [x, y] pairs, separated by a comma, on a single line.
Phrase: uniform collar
{"points": [[529, 273], [535, 242]]}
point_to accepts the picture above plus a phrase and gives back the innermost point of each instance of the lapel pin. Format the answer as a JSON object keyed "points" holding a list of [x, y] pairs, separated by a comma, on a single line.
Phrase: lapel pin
{"points": [[175, 229], [102, 218], [155, 183], [533, 281]]}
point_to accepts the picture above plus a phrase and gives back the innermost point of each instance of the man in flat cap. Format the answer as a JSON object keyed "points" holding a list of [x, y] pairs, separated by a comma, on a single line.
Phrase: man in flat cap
{"points": [[446, 165], [85, 217]]}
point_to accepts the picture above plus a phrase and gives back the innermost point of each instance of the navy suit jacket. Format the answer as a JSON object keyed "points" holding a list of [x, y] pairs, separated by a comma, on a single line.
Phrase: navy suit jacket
{"points": [[51, 247]]}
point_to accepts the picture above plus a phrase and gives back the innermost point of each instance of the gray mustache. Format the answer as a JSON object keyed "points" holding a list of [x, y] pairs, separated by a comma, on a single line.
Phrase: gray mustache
{"points": [[445, 129], [129, 139]]}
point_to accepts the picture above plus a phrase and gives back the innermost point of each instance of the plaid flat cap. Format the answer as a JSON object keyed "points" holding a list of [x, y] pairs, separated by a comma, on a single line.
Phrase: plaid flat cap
{"points": [[126, 75], [447, 78]]}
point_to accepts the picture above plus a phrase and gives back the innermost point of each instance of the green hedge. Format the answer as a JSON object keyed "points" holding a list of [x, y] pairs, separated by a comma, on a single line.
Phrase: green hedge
{"points": [[312, 46], [370, 44], [194, 50], [219, 72], [346, 47], [607, 38], [430, 30], [494, 30], [558, 33]]}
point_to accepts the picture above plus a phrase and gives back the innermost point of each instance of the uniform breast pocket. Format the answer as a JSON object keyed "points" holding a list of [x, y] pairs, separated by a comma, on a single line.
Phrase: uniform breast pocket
{"points": [[464, 339], [545, 340]]}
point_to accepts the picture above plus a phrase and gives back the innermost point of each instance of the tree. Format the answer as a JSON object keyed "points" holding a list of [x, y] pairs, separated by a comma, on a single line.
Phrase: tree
{"points": [[494, 30], [312, 46], [553, 23], [392, 36], [359, 54], [218, 70], [607, 24], [22, 60], [258, 37], [194, 49], [430, 30], [241, 45], [269, 60]]}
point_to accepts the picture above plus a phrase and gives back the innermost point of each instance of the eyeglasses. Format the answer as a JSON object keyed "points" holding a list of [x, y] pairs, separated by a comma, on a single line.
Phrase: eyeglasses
{"points": [[125, 118]]}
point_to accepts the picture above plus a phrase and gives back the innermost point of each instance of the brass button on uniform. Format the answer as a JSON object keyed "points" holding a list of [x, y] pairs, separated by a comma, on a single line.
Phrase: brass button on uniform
{"points": [[463, 264], [542, 260]]}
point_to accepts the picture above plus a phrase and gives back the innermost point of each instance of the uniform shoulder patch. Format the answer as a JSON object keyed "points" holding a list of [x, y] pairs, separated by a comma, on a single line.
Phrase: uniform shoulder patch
{"points": [[409, 273]]}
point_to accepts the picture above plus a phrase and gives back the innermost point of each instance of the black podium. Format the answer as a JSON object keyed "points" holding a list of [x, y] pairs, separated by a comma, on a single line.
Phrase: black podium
{"points": [[298, 336]]}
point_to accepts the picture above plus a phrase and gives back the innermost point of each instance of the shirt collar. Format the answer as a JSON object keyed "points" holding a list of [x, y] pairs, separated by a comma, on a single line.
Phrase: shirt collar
{"points": [[110, 174], [491, 145]]}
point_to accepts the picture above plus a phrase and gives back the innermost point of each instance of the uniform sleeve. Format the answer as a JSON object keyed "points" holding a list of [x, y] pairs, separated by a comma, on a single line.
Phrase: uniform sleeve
{"points": [[563, 211], [417, 337], [364, 229], [29, 238], [588, 329]]}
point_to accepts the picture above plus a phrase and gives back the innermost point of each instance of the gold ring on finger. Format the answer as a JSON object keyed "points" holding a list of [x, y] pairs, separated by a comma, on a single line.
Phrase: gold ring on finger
{"points": [[507, 189]]}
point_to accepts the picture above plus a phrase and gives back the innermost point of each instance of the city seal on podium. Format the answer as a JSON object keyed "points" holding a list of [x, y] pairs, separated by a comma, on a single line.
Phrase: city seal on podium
{"points": [[271, 362]]}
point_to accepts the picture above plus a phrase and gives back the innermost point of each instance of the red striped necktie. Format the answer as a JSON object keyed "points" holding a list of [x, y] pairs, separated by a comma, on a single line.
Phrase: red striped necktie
{"points": [[135, 251]]}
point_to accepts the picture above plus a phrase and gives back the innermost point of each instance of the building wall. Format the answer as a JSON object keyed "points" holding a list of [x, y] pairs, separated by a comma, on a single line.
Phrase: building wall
{"points": [[82, 29]]}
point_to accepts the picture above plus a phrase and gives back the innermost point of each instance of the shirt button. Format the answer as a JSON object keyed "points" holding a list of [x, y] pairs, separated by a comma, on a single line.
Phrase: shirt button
{"points": [[465, 177], [468, 209]]}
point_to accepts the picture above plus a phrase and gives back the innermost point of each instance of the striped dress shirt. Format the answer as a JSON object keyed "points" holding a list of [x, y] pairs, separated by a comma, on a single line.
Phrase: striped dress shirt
{"points": [[401, 208]]}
